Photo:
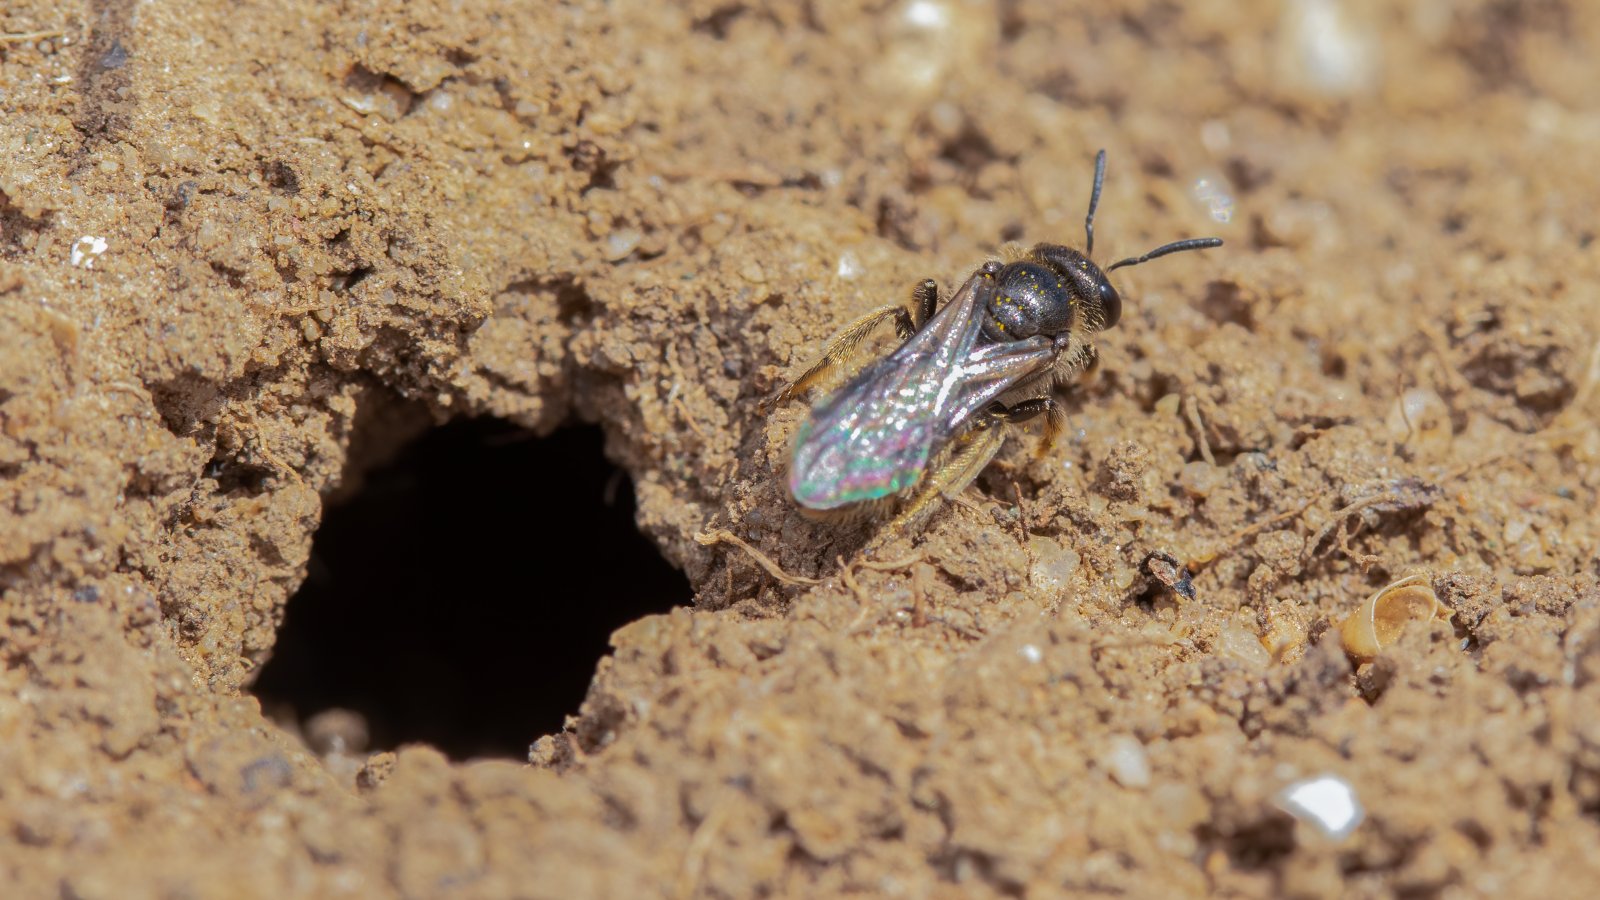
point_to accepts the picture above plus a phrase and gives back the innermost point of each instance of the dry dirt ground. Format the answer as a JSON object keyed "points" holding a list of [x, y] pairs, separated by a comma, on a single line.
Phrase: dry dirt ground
{"points": [[237, 237]]}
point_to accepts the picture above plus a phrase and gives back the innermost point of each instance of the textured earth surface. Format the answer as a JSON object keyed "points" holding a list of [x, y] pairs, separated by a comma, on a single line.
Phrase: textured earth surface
{"points": [[240, 242]]}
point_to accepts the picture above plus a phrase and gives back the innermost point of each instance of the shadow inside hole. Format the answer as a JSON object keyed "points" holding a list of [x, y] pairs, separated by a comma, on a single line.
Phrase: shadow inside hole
{"points": [[463, 596]]}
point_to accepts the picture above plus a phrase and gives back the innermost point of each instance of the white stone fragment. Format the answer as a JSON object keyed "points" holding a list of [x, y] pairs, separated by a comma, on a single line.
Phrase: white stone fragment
{"points": [[622, 242], [1127, 762], [1329, 52], [1326, 802], [1214, 195], [927, 14], [849, 266], [85, 249]]}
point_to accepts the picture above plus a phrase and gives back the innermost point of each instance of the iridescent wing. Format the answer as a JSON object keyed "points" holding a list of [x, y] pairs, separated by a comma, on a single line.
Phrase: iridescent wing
{"points": [[874, 436], [991, 370]]}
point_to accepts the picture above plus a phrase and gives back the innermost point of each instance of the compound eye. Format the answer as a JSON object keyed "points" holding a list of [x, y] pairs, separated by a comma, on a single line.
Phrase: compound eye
{"points": [[1110, 304]]}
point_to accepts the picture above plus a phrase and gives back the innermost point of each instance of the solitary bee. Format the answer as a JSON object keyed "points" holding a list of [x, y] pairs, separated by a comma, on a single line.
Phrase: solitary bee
{"points": [[922, 422]]}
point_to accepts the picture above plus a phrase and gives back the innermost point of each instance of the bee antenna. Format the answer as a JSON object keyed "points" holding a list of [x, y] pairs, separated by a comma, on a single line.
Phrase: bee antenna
{"points": [[1094, 201], [1164, 249]]}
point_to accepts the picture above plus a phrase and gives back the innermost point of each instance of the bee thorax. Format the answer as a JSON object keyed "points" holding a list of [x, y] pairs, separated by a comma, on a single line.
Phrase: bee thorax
{"points": [[1029, 299]]}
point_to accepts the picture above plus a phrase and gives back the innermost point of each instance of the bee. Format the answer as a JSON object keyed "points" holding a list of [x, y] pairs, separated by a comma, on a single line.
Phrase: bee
{"points": [[921, 423]]}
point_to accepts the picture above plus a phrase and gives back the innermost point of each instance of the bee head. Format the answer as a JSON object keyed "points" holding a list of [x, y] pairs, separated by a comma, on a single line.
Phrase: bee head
{"points": [[1054, 288], [1102, 304], [1098, 304]]}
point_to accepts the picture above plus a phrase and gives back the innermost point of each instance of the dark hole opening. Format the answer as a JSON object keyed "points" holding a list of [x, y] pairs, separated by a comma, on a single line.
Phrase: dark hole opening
{"points": [[463, 595]]}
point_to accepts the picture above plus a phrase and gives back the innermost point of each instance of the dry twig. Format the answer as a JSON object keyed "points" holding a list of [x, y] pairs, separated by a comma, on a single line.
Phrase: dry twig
{"points": [[724, 536], [25, 36]]}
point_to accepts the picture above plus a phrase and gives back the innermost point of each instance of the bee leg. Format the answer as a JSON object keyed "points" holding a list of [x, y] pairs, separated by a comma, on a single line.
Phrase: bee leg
{"points": [[1090, 362], [843, 348], [1076, 365], [924, 299], [973, 452], [1018, 413], [1054, 424]]}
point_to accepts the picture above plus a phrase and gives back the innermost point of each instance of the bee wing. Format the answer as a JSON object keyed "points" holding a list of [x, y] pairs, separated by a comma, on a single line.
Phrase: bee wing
{"points": [[992, 370], [874, 436]]}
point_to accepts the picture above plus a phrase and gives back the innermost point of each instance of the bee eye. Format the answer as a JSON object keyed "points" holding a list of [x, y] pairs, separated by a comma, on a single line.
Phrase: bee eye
{"points": [[1110, 304]]}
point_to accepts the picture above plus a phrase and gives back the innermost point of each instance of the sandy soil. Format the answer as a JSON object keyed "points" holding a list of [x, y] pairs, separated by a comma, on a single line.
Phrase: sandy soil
{"points": [[235, 237]]}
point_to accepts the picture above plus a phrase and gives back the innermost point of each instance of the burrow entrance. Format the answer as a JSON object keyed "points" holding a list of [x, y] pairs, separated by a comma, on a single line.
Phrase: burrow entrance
{"points": [[463, 595]]}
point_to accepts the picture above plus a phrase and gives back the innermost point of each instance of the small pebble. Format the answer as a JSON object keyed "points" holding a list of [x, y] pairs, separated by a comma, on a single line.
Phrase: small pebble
{"points": [[1199, 478], [622, 242], [85, 249], [849, 266], [1237, 642], [1127, 762], [1053, 564], [1326, 802]]}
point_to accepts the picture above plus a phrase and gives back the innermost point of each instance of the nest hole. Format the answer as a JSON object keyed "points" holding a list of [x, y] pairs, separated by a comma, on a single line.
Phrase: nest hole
{"points": [[463, 593]]}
